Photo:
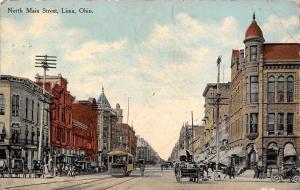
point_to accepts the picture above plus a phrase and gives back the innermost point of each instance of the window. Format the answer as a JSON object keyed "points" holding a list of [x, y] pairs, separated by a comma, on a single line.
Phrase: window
{"points": [[280, 89], [37, 135], [26, 108], [2, 132], [32, 109], [38, 113], [271, 123], [247, 124], [15, 136], [57, 134], [253, 53], [280, 123], [26, 134], [253, 89], [290, 122], [1, 104], [271, 89], [253, 122], [15, 105], [290, 89], [32, 135]]}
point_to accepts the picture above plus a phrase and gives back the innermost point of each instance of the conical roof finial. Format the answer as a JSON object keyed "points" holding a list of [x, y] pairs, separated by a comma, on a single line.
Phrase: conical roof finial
{"points": [[253, 16], [102, 89]]}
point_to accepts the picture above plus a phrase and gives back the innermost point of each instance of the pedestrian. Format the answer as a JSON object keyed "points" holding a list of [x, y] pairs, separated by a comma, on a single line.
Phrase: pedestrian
{"points": [[270, 171], [232, 172], [255, 171], [69, 170], [73, 171], [228, 172]]}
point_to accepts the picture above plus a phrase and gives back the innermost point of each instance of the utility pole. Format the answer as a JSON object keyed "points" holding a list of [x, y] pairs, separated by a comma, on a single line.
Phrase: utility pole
{"points": [[192, 132], [128, 111], [218, 99], [46, 62]]}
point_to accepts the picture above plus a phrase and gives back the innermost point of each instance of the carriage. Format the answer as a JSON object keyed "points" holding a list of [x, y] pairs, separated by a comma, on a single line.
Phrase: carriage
{"points": [[120, 163], [187, 168], [37, 168], [290, 172]]}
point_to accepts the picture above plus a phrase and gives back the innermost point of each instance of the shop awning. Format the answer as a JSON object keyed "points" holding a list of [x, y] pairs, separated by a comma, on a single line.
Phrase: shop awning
{"points": [[289, 150]]}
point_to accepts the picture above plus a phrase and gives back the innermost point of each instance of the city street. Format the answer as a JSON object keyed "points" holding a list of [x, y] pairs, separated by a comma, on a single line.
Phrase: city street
{"points": [[153, 179]]}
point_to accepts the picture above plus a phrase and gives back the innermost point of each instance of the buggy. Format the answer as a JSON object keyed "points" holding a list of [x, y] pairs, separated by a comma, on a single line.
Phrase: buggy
{"points": [[292, 173], [37, 168], [187, 168]]}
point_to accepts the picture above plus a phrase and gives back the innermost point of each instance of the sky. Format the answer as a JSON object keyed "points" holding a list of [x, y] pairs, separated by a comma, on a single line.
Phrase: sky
{"points": [[160, 54]]}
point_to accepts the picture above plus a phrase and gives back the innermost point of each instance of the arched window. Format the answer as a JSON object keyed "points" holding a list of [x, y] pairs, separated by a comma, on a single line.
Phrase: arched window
{"points": [[280, 89], [272, 154], [290, 89], [271, 89]]}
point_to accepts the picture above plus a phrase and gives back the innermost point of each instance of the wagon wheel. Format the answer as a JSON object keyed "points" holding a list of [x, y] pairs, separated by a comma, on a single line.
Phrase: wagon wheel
{"points": [[276, 178], [296, 179], [178, 176], [216, 176]]}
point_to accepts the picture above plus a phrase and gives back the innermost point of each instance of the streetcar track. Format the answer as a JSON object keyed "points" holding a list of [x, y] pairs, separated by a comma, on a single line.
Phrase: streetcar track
{"points": [[95, 183], [86, 183], [51, 182], [105, 188]]}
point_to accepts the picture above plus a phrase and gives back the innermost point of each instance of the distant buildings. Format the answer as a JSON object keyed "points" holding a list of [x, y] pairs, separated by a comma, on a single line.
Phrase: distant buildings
{"points": [[145, 151], [210, 95]]}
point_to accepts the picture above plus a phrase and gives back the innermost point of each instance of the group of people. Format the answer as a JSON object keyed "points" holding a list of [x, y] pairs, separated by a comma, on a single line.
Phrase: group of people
{"points": [[65, 169]]}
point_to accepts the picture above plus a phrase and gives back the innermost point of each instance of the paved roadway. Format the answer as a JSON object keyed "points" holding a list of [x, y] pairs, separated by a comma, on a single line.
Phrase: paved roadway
{"points": [[153, 179]]}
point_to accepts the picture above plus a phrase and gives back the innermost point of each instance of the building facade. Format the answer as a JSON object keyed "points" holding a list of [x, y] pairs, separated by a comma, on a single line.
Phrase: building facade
{"points": [[20, 120], [210, 95], [61, 117], [85, 129], [106, 122], [265, 101], [198, 138]]}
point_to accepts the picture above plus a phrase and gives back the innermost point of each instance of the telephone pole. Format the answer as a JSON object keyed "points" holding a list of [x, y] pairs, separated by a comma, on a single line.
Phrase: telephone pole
{"points": [[218, 99], [192, 131], [128, 111], [46, 62]]}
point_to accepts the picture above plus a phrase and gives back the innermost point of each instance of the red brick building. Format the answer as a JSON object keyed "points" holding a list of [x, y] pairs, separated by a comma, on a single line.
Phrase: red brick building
{"points": [[125, 136], [61, 116], [85, 128]]}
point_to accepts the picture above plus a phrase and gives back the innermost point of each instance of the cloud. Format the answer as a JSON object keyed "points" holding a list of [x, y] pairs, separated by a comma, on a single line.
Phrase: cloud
{"points": [[92, 48], [287, 29]]}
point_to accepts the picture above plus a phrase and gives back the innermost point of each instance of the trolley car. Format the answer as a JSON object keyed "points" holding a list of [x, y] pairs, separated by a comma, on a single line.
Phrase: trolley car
{"points": [[120, 163]]}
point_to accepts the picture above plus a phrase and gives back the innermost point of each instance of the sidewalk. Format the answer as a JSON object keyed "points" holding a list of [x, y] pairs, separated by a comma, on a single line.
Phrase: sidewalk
{"points": [[241, 178], [20, 182]]}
